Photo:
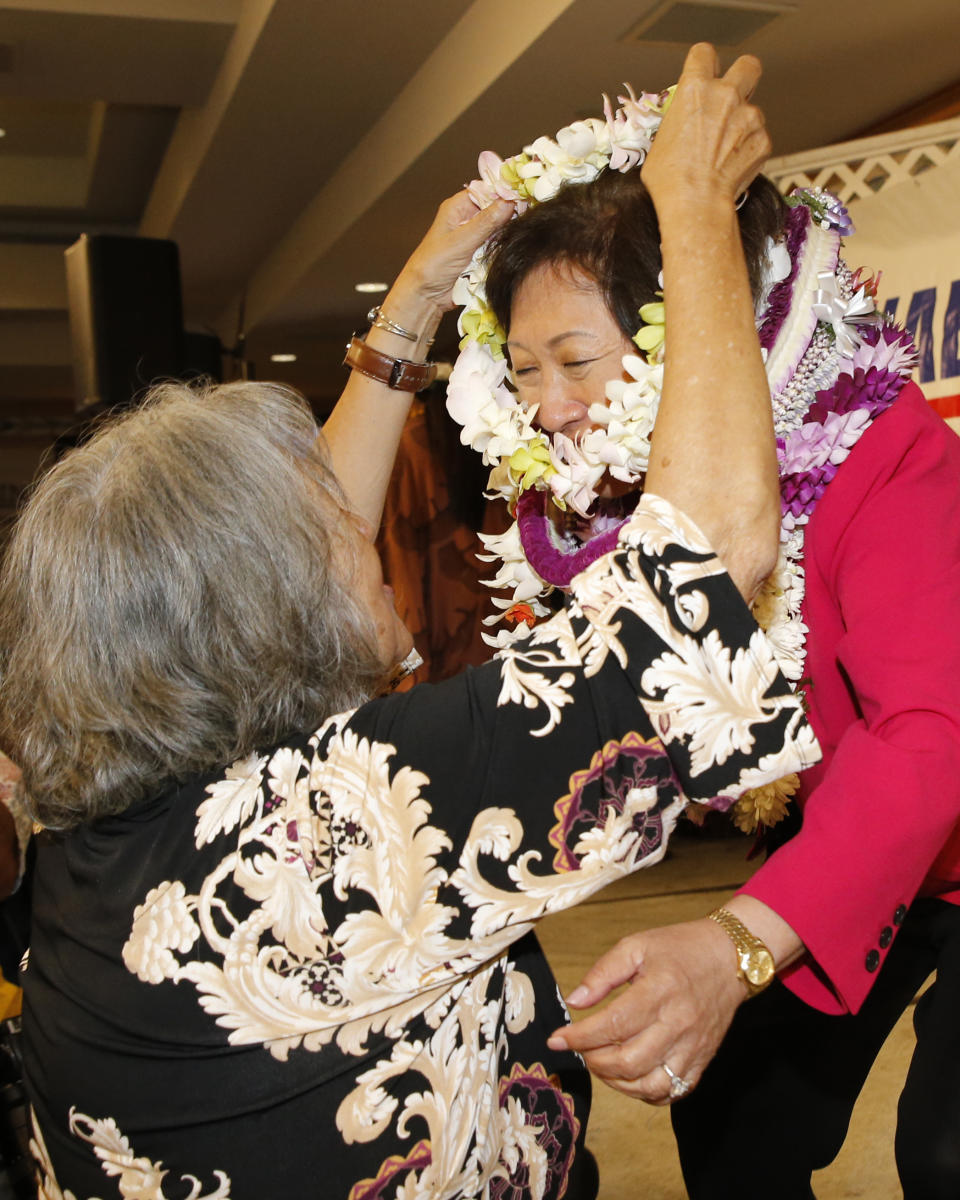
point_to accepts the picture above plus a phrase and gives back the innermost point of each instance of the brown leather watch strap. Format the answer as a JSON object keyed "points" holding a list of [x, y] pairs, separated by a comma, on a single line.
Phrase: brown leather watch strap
{"points": [[397, 373]]}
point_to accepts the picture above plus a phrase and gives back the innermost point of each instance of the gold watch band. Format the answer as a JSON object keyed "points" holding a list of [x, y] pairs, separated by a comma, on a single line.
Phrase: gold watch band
{"points": [[755, 965]]}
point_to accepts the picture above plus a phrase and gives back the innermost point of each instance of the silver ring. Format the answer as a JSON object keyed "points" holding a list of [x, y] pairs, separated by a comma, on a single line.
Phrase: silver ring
{"points": [[678, 1085], [741, 199]]}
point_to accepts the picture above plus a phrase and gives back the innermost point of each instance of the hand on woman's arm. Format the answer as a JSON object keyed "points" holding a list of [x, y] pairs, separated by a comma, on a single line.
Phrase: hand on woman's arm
{"points": [[682, 993], [363, 431], [713, 451]]}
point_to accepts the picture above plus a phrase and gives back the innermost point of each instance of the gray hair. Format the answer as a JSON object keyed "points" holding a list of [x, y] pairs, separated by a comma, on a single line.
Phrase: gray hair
{"points": [[170, 602]]}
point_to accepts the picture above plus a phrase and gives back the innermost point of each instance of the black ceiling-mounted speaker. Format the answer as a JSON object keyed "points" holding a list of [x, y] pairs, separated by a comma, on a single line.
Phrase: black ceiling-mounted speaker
{"points": [[126, 317]]}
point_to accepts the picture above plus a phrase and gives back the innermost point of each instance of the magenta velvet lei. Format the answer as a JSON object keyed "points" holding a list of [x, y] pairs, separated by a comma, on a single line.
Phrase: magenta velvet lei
{"points": [[551, 563]]}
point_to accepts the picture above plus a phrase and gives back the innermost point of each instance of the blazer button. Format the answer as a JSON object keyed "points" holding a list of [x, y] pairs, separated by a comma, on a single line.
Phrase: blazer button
{"points": [[900, 913], [886, 937], [872, 960]]}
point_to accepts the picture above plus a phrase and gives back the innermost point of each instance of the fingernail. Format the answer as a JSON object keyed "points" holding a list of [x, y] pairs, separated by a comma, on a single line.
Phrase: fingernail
{"points": [[578, 996], [555, 1042]]}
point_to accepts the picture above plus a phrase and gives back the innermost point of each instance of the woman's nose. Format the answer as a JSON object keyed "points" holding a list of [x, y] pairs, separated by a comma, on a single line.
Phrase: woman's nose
{"points": [[561, 406]]}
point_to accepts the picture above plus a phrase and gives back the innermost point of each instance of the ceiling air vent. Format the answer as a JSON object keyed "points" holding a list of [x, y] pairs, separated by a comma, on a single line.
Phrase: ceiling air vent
{"points": [[723, 22]]}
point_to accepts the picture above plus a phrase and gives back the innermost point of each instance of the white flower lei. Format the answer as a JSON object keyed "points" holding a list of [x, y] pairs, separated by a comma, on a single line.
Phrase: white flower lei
{"points": [[819, 340], [494, 422]]}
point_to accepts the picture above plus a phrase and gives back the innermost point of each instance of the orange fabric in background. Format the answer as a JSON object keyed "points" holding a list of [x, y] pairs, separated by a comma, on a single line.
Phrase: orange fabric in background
{"points": [[429, 558], [946, 406]]}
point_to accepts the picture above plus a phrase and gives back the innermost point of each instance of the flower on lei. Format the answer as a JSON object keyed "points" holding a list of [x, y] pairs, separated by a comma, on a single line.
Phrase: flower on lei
{"points": [[478, 398], [480, 325], [828, 210], [886, 347], [871, 389], [574, 477], [633, 126], [816, 443], [629, 416], [777, 607], [518, 613], [764, 805], [496, 184], [649, 338], [530, 463], [515, 572], [577, 156]]}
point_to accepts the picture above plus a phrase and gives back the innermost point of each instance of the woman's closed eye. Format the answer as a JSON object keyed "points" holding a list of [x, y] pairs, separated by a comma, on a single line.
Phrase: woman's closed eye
{"points": [[521, 372]]}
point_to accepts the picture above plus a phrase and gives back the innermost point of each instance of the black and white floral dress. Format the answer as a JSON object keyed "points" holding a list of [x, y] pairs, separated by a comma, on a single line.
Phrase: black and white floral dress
{"points": [[312, 973]]}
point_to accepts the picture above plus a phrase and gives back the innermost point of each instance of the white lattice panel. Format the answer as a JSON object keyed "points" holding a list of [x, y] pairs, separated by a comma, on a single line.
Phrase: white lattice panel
{"points": [[865, 167]]}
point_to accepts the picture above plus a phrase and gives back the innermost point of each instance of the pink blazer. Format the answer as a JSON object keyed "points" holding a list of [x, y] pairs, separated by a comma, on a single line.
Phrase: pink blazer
{"points": [[881, 812]]}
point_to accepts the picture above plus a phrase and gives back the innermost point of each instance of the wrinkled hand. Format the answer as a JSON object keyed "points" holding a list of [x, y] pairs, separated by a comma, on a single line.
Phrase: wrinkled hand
{"points": [[447, 247], [683, 992], [711, 139]]}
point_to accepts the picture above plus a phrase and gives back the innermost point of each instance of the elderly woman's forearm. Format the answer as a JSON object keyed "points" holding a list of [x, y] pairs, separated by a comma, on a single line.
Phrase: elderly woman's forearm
{"points": [[363, 431], [714, 453]]}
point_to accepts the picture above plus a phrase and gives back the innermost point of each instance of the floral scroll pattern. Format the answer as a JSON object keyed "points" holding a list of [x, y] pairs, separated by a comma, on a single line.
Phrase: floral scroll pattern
{"points": [[352, 908]]}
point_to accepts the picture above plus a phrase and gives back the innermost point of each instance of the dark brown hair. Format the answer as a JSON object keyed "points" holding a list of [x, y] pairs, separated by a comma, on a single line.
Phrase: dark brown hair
{"points": [[609, 230]]}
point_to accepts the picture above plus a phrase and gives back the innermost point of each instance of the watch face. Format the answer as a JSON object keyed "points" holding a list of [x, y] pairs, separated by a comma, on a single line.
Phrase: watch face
{"points": [[758, 967]]}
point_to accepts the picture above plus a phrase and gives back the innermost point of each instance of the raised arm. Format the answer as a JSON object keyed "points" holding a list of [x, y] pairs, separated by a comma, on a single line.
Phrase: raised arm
{"points": [[363, 431], [714, 453], [714, 457]]}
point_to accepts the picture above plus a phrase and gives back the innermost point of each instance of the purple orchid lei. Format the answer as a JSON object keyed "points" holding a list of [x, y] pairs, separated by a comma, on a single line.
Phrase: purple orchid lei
{"points": [[810, 456]]}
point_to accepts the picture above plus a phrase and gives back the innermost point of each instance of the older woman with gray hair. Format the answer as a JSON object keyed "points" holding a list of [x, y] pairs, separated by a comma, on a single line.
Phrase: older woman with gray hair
{"points": [[282, 924]]}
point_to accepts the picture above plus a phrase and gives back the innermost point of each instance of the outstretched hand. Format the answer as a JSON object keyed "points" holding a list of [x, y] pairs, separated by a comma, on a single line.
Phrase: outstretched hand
{"points": [[681, 996], [712, 138], [458, 229]]}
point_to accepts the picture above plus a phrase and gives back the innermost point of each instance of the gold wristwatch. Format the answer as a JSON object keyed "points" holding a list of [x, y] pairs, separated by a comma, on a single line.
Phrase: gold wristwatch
{"points": [[755, 965]]}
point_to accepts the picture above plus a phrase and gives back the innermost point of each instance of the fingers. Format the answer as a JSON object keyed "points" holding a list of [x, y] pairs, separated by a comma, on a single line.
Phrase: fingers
{"points": [[618, 966], [746, 144], [619, 1022], [642, 1071], [653, 1088], [460, 209], [677, 1008], [657, 1066], [754, 152], [744, 75], [491, 217], [702, 63]]}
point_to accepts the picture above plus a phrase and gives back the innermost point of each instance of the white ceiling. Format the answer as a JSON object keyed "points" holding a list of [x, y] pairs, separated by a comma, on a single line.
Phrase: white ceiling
{"points": [[294, 147]]}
